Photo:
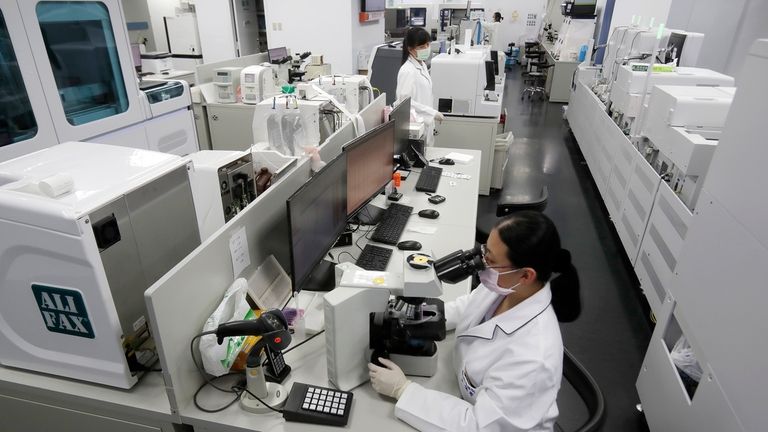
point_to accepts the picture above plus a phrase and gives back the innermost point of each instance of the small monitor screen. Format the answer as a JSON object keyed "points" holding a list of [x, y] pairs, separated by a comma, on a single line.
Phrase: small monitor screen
{"points": [[490, 77], [317, 215], [373, 5], [370, 163], [136, 55], [277, 53]]}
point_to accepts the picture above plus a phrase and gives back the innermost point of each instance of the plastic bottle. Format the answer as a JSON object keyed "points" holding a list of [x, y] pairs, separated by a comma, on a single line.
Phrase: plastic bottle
{"points": [[582, 53]]}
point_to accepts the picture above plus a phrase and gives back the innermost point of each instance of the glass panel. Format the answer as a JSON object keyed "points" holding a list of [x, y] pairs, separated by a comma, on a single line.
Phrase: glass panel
{"points": [[81, 47], [17, 121]]}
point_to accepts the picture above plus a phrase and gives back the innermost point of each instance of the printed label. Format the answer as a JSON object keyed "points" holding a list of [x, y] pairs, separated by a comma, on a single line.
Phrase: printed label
{"points": [[63, 311]]}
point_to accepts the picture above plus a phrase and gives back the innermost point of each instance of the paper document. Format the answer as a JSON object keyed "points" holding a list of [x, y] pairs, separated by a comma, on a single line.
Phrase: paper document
{"points": [[238, 248], [459, 157]]}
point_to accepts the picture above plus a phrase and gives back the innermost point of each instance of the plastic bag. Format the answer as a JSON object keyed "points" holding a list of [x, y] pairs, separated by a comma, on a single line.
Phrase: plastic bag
{"points": [[218, 359], [685, 360]]}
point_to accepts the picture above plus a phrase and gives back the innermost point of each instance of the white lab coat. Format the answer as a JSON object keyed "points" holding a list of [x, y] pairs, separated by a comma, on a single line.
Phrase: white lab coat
{"points": [[413, 80], [492, 29], [508, 369]]}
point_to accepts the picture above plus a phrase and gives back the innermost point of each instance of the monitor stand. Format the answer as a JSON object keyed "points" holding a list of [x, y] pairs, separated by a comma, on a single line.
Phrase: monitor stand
{"points": [[369, 215], [323, 277]]}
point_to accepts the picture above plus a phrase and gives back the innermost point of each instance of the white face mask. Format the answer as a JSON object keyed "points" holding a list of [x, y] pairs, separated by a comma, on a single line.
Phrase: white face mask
{"points": [[423, 54], [490, 279]]}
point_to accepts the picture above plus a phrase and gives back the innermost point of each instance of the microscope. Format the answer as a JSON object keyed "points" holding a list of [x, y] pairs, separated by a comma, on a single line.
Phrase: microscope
{"points": [[363, 323]]}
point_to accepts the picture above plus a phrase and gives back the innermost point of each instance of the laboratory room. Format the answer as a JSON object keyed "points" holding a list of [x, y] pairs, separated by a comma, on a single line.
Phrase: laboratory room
{"points": [[383, 215]]}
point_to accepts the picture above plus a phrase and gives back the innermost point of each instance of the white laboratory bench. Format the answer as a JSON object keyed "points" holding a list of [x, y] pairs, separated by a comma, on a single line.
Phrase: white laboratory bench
{"points": [[162, 401]]}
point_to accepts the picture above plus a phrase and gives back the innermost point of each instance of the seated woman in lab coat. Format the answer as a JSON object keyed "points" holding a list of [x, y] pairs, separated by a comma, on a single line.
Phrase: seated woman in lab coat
{"points": [[508, 356], [414, 80]]}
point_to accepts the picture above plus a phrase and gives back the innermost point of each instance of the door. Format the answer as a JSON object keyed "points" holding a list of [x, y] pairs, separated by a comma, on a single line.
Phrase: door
{"points": [[25, 124], [85, 65], [246, 26]]}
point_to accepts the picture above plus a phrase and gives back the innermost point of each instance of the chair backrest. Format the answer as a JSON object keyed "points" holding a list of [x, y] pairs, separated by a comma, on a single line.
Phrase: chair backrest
{"points": [[587, 388]]}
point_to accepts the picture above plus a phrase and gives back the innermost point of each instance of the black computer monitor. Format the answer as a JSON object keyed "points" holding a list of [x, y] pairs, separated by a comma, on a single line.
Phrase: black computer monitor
{"points": [[490, 77], [277, 53], [370, 163], [401, 115], [317, 215], [495, 60]]}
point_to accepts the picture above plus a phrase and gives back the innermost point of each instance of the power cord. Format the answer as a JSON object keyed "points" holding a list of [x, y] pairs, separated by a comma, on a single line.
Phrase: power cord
{"points": [[235, 389]]}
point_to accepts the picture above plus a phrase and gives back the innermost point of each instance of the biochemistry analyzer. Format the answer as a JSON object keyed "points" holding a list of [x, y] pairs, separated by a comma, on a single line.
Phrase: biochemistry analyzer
{"points": [[86, 229]]}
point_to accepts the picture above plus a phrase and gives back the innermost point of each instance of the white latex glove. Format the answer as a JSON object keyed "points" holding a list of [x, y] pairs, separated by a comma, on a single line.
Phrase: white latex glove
{"points": [[390, 380], [439, 117]]}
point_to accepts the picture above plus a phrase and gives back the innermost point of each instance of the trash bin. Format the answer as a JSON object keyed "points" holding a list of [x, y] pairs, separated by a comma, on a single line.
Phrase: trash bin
{"points": [[500, 159]]}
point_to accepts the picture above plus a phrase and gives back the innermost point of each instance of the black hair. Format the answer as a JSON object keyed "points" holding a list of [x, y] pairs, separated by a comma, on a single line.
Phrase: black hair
{"points": [[497, 15], [533, 241], [414, 36]]}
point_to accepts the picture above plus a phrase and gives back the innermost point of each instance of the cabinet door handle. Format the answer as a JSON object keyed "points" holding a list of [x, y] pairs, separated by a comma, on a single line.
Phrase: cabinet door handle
{"points": [[215, 117]]}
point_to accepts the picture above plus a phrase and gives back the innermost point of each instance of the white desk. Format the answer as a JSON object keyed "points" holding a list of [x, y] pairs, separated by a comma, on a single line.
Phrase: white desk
{"points": [[559, 77], [456, 230]]}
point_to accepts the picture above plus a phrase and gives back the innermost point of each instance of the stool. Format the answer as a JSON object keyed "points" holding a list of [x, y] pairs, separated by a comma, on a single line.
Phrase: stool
{"points": [[537, 81]]}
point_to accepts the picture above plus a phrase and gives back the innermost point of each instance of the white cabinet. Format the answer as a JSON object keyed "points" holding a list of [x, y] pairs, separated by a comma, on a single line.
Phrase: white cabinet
{"points": [[25, 124], [475, 133]]}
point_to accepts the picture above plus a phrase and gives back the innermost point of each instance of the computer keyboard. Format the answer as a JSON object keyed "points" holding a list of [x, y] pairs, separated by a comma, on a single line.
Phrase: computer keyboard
{"points": [[392, 224], [320, 405], [429, 179], [374, 258]]}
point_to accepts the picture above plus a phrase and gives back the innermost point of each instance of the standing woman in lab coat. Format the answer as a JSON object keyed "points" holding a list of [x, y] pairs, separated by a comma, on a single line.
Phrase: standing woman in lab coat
{"points": [[413, 79], [508, 356], [492, 30]]}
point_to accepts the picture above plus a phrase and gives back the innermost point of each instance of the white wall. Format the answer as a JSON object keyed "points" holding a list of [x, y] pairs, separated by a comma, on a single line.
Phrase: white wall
{"points": [[624, 10], [729, 28], [157, 10], [511, 29], [328, 27], [137, 11], [364, 35]]}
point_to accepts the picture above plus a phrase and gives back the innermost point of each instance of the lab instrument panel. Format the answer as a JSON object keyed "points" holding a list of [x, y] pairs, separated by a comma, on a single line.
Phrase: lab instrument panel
{"points": [[223, 184], [111, 221], [352, 91], [464, 84]]}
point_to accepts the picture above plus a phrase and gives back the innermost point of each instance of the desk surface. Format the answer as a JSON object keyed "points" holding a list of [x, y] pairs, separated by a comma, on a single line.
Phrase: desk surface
{"points": [[370, 411], [147, 400]]}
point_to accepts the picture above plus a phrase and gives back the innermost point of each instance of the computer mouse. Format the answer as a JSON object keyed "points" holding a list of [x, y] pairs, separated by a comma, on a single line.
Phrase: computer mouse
{"points": [[429, 214], [446, 161], [409, 245]]}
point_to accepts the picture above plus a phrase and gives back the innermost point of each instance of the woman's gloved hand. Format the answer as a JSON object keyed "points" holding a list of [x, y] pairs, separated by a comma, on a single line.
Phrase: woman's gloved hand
{"points": [[390, 380], [439, 117]]}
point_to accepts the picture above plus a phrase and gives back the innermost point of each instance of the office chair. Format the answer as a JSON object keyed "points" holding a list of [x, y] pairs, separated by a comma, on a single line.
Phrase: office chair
{"points": [[587, 388]]}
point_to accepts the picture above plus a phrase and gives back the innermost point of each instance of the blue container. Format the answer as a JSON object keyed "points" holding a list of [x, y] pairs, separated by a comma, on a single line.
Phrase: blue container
{"points": [[583, 53]]}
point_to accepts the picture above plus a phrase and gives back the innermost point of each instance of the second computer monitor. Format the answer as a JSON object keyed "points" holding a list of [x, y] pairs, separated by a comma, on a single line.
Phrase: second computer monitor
{"points": [[277, 53], [401, 115], [370, 163], [317, 215]]}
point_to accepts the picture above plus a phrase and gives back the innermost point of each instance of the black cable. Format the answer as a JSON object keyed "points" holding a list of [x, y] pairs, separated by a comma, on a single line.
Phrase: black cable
{"points": [[215, 410], [350, 255], [303, 342], [197, 365]]}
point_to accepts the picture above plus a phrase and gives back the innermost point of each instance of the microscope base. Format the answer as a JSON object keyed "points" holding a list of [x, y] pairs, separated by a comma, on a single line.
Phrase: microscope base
{"points": [[425, 366], [277, 395]]}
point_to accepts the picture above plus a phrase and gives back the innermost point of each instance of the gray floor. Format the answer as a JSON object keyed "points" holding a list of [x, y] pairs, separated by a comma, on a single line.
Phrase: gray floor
{"points": [[612, 333]]}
